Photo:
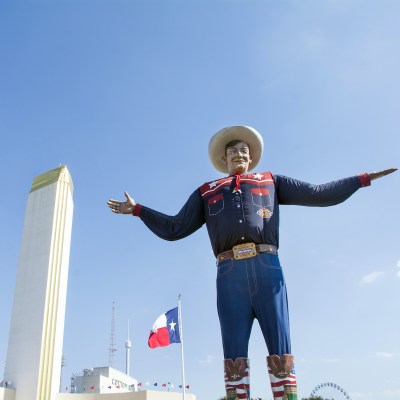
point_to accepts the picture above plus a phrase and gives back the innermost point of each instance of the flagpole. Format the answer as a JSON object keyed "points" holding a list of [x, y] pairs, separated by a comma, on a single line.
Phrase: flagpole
{"points": [[181, 336]]}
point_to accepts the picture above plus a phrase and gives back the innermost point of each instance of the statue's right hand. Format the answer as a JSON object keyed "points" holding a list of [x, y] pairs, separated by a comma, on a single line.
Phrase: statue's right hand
{"points": [[122, 207]]}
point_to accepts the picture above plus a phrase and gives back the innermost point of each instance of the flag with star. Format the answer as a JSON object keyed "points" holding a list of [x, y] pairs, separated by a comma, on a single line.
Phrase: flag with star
{"points": [[165, 330]]}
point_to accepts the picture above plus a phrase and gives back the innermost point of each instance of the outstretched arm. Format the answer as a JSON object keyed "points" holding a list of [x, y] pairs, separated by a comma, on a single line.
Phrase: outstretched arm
{"points": [[376, 175], [122, 207], [292, 191], [168, 227]]}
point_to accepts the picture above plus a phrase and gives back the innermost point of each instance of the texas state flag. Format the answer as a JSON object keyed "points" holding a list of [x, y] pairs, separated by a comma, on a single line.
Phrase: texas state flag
{"points": [[165, 330]]}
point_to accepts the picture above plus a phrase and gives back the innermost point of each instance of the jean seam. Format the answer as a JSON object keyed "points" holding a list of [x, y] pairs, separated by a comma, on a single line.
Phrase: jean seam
{"points": [[250, 263]]}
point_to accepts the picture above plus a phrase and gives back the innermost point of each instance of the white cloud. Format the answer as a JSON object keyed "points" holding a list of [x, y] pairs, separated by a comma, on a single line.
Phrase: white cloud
{"points": [[395, 393], [382, 354], [358, 395], [398, 274], [372, 277], [330, 360], [388, 393], [398, 263], [209, 359]]}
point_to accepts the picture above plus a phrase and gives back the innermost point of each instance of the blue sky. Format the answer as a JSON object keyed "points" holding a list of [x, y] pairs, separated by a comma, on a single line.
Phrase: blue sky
{"points": [[128, 93]]}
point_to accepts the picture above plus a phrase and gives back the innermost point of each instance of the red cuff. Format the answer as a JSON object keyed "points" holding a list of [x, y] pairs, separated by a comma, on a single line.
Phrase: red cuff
{"points": [[365, 180], [136, 210]]}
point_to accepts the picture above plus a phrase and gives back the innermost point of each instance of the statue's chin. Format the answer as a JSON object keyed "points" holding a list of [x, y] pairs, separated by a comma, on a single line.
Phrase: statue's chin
{"points": [[238, 170]]}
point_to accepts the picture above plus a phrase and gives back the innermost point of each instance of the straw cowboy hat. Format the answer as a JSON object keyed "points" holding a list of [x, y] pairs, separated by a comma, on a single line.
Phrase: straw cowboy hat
{"points": [[247, 134]]}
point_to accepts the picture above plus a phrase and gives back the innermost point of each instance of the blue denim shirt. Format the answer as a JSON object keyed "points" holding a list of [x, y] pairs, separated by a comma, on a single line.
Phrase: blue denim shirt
{"points": [[245, 208]]}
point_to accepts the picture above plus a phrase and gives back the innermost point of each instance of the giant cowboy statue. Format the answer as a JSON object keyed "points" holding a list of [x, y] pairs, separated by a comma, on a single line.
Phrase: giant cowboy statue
{"points": [[241, 212]]}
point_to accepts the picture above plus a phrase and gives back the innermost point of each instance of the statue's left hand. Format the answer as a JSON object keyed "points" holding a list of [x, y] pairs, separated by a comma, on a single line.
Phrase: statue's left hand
{"points": [[376, 175]]}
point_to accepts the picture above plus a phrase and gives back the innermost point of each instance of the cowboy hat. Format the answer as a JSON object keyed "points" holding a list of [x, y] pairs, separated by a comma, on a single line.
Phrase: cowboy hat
{"points": [[247, 134]]}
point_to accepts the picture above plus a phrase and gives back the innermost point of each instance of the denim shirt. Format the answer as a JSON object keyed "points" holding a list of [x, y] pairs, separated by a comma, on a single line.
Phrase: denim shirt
{"points": [[245, 208]]}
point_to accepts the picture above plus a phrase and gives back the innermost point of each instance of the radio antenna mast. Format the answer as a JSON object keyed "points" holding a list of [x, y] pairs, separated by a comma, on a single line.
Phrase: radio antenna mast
{"points": [[112, 350]]}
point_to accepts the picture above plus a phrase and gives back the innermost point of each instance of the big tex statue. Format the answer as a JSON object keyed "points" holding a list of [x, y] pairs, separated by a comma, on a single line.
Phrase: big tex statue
{"points": [[241, 212]]}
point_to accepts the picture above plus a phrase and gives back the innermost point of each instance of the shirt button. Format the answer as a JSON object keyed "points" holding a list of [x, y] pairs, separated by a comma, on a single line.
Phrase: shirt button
{"points": [[240, 221], [238, 206], [242, 238]]}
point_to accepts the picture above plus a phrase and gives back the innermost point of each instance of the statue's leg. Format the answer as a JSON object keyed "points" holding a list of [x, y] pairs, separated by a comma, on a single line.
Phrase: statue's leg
{"points": [[271, 307], [236, 318], [282, 377], [237, 378]]}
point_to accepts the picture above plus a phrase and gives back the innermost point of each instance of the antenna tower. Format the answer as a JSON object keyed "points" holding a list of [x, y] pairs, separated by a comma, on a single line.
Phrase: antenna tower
{"points": [[112, 350]]}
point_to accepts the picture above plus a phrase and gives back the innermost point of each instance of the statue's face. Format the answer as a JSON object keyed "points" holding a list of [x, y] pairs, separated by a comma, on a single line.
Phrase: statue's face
{"points": [[237, 158]]}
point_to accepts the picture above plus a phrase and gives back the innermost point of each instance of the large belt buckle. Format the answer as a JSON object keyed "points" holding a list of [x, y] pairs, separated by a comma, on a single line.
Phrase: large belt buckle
{"points": [[245, 250]]}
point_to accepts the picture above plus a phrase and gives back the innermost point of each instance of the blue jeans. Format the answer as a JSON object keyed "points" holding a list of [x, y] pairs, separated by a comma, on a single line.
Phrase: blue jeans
{"points": [[248, 289]]}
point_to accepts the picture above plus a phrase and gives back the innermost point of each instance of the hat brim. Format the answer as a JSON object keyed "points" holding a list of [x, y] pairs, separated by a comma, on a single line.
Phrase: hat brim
{"points": [[247, 134]]}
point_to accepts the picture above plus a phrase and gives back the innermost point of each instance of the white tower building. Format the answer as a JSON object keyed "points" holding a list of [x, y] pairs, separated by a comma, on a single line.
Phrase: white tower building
{"points": [[128, 345], [33, 363]]}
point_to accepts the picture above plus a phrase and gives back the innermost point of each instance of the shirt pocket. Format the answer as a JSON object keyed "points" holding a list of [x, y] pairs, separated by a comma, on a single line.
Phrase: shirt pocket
{"points": [[216, 204], [261, 197]]}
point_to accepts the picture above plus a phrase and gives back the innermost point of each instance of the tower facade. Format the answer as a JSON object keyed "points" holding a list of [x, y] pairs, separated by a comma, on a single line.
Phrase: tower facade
{"points": [[34, 354]]}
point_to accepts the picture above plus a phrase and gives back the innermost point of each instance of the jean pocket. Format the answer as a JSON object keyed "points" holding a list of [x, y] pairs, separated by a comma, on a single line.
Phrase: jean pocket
{"points": [[268, 260], [223, 268], [216, 204]]}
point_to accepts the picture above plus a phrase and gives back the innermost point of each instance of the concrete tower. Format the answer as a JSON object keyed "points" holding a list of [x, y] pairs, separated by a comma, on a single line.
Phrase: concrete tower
{"points": [[128, 345], [34, 352]]}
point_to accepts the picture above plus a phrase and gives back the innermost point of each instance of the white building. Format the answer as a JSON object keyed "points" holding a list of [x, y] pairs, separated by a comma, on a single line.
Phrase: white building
{"points": [[103, 380], [33, 362], [9, 394]]}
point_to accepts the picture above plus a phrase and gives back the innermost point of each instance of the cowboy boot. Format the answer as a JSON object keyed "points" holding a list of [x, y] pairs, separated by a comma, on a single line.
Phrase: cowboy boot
{"points": [[237, 378], [282, 377]]}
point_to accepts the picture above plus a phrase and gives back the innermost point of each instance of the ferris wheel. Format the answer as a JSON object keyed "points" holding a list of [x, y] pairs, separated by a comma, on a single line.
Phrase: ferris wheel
{"points": [[330, 391]]}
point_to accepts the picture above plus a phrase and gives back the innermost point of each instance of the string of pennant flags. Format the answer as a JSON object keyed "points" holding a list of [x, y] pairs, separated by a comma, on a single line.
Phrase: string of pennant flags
{"points": [[169, 385], [139, 385]]}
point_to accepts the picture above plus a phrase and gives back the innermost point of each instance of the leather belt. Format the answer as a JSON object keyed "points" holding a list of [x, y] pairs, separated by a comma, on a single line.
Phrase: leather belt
{"points": [[246, 250]]}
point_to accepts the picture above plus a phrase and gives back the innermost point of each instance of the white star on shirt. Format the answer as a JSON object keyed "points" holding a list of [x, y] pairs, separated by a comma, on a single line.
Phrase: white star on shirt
{"points": [[213, 184], [172, 325], [257, 176]]}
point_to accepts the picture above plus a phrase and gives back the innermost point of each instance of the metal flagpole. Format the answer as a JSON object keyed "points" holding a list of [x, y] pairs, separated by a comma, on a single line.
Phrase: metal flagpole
{"points": [[181, 337]]}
